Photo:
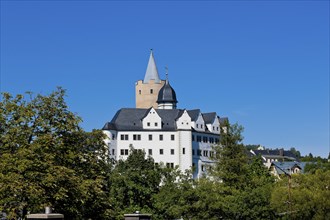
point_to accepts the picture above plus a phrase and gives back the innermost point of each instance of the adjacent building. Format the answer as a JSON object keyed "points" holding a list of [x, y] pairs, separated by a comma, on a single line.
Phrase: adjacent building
{"points": [[173, 137], [278, 155]]}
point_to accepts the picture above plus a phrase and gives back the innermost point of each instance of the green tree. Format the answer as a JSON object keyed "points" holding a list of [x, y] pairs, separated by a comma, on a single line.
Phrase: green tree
{"points": [[230, 157], [46, 159], [305, 197], [295, 152], [133, 183], [243, 183]]}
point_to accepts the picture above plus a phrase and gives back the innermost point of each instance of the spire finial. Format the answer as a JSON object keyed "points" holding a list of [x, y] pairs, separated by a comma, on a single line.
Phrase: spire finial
{"points": [[166, 68]]}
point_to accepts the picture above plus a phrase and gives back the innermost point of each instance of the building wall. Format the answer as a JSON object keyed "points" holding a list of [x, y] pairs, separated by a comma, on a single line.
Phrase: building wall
{"points": [[202, 152], [196, 152], [155, 145], [144, 98]]}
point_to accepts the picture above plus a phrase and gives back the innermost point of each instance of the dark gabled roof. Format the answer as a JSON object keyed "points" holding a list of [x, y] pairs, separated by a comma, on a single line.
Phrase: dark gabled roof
{"points": [[194, 114], [285, 167], [130, 119], [209, 117], [276, 153], [168, 117]]}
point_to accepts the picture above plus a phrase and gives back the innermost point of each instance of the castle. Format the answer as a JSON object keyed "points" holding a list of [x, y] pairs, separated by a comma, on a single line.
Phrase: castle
{"points": [[173, 137]]}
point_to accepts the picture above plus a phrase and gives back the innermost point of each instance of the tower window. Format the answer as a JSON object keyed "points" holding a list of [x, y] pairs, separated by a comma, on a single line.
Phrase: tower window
{"points": [[183, 150], [161, 151], [150, 137], [151, 91], [140, 92], [172, 151], [160, 137]]}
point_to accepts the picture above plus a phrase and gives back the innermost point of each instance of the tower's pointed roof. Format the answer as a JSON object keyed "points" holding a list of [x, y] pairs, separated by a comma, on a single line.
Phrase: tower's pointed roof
{"points": [[152, 72]]}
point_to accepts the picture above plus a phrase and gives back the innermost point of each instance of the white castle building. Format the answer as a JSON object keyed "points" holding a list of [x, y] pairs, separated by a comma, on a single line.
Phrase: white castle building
{"points": [[174, 137]]}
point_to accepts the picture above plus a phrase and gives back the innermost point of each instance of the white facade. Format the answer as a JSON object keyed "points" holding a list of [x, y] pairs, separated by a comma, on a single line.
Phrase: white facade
{"points": [[184, 146]]}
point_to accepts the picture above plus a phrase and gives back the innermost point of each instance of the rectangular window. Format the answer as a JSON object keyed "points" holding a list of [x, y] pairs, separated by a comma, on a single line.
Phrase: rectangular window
{"points": [[199, 152], [205, 153], [172, 137], [183, 150], [211, 154], [160, 137], [199, 138], [124, 137], [150, 137], [193, 137], [151, 91], [217, 140], [205, 139], [113, 151], [122, 152], [113, 136], [161, 151], [196, 125], [126, 151], [148, 124], [150, 151], [172, 151], [170, 165], [136, 137], [193, 152], [211, 140], [156, 124]]}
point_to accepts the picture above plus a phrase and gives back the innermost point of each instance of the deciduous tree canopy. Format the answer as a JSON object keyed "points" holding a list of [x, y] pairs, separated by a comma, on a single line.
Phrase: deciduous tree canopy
{"points": [[46, 159]]}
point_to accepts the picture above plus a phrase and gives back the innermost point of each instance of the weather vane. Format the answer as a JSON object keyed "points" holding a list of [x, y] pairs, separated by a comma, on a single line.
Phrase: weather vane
{"points": [[166, 68]]}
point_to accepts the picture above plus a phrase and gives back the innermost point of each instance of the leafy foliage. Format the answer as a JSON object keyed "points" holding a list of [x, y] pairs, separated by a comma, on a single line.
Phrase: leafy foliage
{"points": [[133, 182], [46, 159], [309, 196]]}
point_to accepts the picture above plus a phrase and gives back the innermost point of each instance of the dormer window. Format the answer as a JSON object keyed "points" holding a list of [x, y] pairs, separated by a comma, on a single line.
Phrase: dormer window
{"points": [[196, 125], [156, 124], [148, 124]]}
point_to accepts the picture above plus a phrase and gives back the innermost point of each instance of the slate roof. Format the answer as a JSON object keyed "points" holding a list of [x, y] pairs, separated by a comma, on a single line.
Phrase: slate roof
{"points": [[130, 119], [276, 154], [287, 166], [209, 117], [166, 94], [194, 114]]}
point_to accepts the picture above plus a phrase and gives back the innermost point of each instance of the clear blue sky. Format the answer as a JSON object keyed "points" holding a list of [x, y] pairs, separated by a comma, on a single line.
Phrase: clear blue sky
{"points": [[263, 64]]}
